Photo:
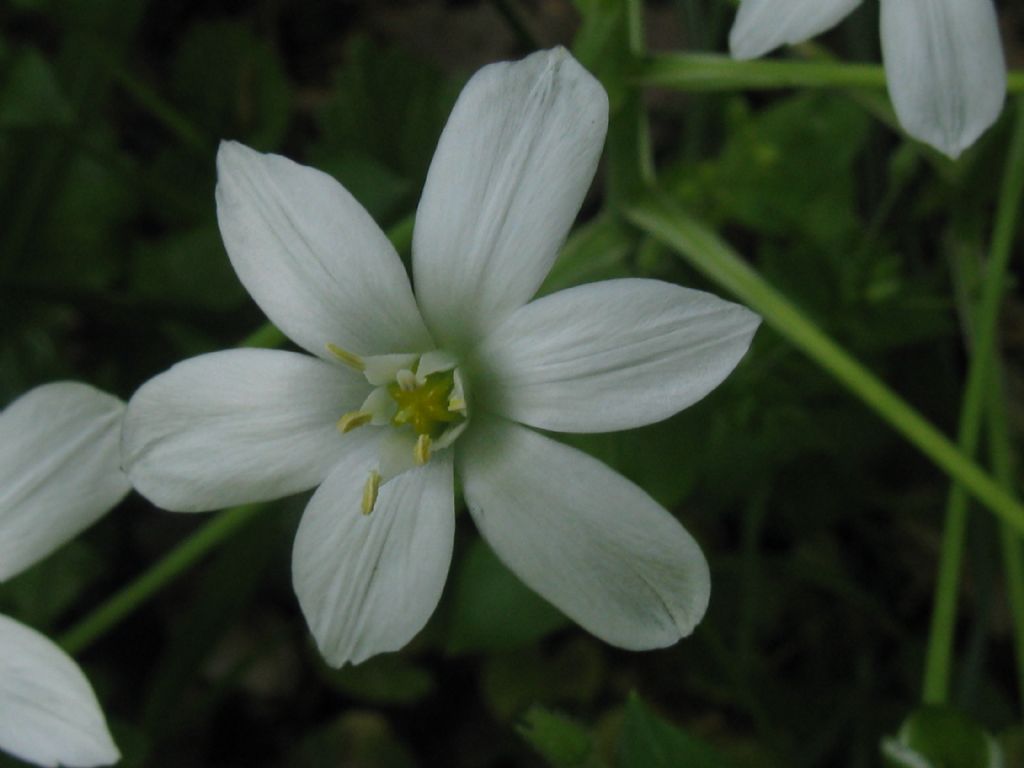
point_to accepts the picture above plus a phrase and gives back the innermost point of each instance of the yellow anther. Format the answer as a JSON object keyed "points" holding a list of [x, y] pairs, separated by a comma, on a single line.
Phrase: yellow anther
{"points": [[421, 453], [353, 419], [370, 491], [349, 359], [456, 404]]}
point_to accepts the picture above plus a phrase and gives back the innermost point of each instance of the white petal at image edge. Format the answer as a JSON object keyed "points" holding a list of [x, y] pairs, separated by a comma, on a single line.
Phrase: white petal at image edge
{"points": [[583, 537], [510, 172], [238, 426], [48, 712], [610, 355], [368, 583], [945, 69], [60, 469], [763, 25], [313, 258]]}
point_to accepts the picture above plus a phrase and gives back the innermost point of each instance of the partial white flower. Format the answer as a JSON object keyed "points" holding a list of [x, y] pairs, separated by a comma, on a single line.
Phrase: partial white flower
{"points": [[943, 58], [59, 472], [406, 391]]}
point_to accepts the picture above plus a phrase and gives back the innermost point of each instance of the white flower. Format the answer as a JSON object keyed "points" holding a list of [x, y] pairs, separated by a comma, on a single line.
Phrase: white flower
{"points": [[423, 388], [59, 472], [943, 58]]}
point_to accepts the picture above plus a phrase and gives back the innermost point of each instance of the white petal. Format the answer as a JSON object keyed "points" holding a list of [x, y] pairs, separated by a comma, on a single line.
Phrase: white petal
{"points": [[610, 355], [508, 178], [396, 452], [238, 426], [60, 469], [48, 712], [763, 25], [368, 583], [381, 370], [583, 537], [312, 257], [945, 68]]}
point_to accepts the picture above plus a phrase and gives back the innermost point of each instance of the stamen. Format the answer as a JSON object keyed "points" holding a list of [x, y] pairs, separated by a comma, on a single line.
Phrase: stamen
{"points": [[406, 380], [456, 404], [421, 453], [370, 491], [349, 359], [353, 419]]}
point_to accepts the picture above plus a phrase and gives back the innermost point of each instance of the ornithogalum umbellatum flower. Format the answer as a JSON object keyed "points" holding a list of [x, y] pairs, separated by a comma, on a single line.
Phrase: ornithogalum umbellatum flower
{"points": [[402, 392], [59, 472], [943, 58]]}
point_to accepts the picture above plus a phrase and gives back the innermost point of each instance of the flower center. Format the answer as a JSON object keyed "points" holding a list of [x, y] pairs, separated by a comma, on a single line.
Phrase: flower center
{"points": [[419, 398], [425, 408]]}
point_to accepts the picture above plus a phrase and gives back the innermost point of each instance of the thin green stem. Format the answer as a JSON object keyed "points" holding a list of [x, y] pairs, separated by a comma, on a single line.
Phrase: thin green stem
{"points": [[630, 158], [940, 641], [267, 336], [712, 72], [661, 218], [715, 72], [120, 605], [1001, 456], [1013, 559]]}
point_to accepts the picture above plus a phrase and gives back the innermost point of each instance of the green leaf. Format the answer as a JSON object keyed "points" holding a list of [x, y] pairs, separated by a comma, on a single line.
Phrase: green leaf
{"points": [[760, 178], [595, 251], [30, 95], [387, 106], [232, 84], [358, 739], [941, 737], [659, 457], [492, 609], [228, 586], [190, 268], [387, 679], [384, 193], [562, 742], [571, 673], [42, 593], [647, 741]]}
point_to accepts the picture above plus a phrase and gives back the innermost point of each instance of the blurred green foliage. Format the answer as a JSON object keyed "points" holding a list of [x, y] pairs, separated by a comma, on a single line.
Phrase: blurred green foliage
{"points": [[820, 526]]}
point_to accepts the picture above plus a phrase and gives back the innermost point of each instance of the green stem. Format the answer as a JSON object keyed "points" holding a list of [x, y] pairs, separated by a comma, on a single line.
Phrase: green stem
{"points": [[267, 336], [635, 27], [660, 217], [188, 553], [1010, 543], [940, 641], [715, 72], [628, 148]]}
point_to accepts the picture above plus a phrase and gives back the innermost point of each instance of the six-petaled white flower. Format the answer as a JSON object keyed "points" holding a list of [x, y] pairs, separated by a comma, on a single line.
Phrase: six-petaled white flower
{"points": [[404, 393], [59, 472], [943, 58]]}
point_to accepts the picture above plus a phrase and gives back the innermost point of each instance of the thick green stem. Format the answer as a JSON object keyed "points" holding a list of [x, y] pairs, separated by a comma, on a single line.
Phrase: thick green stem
{"points": [[122, 604], [940, 641], [715, 72], [660, 217]]}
